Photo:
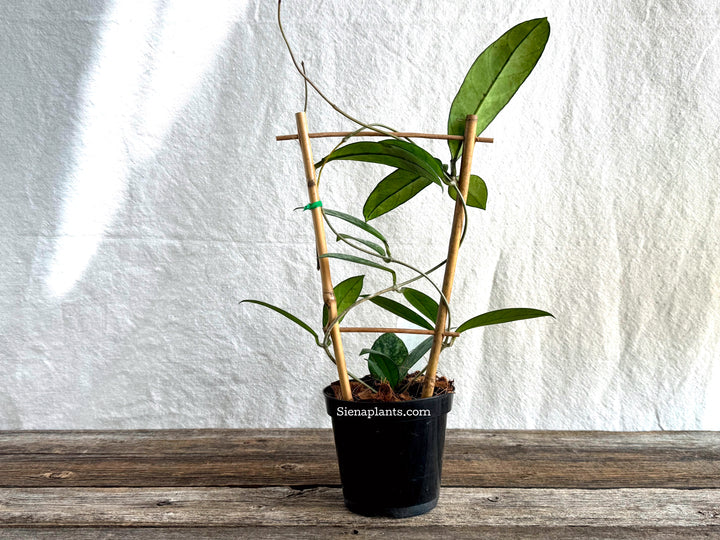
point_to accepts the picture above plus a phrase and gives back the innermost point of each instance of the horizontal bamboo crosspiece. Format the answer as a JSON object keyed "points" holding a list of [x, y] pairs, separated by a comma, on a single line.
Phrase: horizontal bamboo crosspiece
{"points": [[375, 330], [438, 136]]}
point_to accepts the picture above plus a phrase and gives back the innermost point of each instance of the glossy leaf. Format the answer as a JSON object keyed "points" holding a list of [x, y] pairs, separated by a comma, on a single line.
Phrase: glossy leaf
{"points": [[346, 292], [358, 260], [415, 355], [385, 357], [502, 316], [429, 161], [477, 193], [495, 76], [422, 302], [377, 248], [357, 222], [392, 191], [396, 308], [399, 154], [290, 316]]}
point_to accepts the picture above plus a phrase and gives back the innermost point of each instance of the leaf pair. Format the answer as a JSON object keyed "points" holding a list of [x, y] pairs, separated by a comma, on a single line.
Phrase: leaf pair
{"points": [[415, 170], [402, 155], [426, 308], [400, 186], [389, 359], [346, 293], [383, 251]]}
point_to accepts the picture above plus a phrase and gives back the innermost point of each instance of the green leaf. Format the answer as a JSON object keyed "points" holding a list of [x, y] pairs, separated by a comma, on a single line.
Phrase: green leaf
{"points": [[399, 154], [495, 76], [386, 355], [433, 164], [502, 316], [400, 310], [383, 369], [392, 191], [477, 192], [358, 260], [357, 222], [372, 245], [346, 292], [422, 302], [284, 313], [415, 355]]}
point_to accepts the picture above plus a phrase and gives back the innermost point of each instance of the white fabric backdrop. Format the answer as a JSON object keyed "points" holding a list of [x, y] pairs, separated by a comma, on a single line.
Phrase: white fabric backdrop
{"points": [[144, 195]]}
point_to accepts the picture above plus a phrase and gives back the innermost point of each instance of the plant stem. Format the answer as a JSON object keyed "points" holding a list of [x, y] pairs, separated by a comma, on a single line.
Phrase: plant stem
{"points": [[392, 260], [314, 86], [306, 89], [326, 348], [347, 138], [415, 378]]}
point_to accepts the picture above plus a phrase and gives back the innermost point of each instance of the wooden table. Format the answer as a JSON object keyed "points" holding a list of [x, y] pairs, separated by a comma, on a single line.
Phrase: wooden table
{"points": [[285, 484]]}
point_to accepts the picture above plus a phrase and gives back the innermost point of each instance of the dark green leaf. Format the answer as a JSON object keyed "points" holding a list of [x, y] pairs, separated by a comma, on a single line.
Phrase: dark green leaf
{"points": [[415, 355], [477, 192], [394, 153], [391, 346], [358, 260], [502, 316], [290, 316], [383, 369], [346, 292], [392, 191], [357, 222], [495, 76], [387, 353], [400, 310], [433, 164], [372, 245], [422, 302], [373, 351]]}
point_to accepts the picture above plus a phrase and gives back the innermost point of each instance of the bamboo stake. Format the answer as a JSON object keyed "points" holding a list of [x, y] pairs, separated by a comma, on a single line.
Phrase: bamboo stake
{"points": [[453, 246], [321, 246], [375, 330], [293, 136]]}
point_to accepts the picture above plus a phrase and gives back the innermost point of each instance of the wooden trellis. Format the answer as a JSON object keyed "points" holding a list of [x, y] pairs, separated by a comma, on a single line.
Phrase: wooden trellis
{"points": [[469, 139]]}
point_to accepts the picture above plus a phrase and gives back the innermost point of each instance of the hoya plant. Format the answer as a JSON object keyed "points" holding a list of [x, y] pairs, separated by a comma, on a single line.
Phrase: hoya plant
{"points": [[492, 80]]}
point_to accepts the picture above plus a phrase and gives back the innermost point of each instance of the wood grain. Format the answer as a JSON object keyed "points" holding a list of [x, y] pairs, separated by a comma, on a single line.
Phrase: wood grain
{"points": [[365, 532], [284, 507], [306, 457]]}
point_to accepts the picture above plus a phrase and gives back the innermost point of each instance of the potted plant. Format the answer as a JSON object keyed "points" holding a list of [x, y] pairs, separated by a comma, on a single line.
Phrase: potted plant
{"points": [[390, 424]]}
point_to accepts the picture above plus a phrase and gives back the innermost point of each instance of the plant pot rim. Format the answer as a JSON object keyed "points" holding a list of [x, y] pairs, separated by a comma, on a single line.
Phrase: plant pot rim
{"points": [[437, 405]]}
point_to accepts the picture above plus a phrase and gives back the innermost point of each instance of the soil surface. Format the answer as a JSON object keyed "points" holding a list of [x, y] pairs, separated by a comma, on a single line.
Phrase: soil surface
{"points": [[410, 388]]}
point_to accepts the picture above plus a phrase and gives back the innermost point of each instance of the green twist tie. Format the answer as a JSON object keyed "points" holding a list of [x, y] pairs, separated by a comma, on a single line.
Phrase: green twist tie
{"points": [[310, 206]]}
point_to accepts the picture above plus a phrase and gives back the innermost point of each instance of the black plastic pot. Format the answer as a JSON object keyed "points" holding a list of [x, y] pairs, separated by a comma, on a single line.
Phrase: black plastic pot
{"points": [[390, 454]]}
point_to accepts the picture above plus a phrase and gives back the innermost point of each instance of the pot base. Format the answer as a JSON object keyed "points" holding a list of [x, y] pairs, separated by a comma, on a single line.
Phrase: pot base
{"points": [[401, 512]]}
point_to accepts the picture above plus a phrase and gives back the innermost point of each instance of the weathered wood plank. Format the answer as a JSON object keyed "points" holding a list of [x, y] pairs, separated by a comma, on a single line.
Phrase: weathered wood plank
{"points": [[584, 459], [364, 532], [307, 457], [288, 509]]}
